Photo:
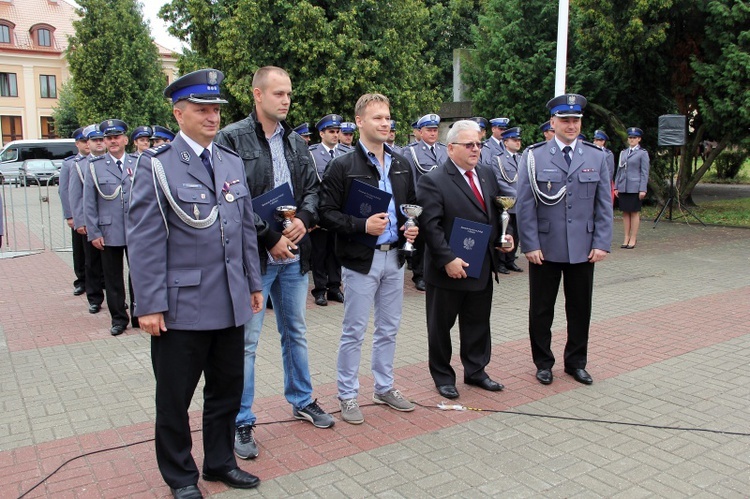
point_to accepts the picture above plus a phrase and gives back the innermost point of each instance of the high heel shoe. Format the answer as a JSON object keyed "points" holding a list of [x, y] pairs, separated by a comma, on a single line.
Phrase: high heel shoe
{"points": [[623, 246], [630, 246]]}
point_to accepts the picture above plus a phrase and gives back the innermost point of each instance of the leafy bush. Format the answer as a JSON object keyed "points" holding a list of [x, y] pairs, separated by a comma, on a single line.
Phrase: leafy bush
{"points": [[728, 163]]}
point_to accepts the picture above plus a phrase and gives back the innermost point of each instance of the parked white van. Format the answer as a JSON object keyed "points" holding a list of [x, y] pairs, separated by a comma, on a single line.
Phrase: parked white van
{"points": [[14, 153]]}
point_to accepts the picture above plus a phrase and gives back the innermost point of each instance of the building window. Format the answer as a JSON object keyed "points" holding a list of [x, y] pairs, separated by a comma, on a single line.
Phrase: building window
{"points": [[4, 33], [12, 129], [48, 127], [48, 84], [44, 37], [8, 85]]}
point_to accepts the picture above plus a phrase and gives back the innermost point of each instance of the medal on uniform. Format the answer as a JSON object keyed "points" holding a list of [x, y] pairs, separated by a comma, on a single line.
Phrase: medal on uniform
{"points": [[225, 188], [196, 212]]}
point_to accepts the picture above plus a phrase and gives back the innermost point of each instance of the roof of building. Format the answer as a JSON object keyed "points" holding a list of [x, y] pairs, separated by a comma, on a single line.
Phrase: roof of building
{"points": [[25, 14]]}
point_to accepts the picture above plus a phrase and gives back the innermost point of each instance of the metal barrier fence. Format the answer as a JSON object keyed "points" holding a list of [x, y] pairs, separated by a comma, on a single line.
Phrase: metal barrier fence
{"points": [[33, 217]]}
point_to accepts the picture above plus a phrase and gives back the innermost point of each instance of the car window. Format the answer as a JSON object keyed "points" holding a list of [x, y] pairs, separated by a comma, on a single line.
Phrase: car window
{"points": [[9, 155]]}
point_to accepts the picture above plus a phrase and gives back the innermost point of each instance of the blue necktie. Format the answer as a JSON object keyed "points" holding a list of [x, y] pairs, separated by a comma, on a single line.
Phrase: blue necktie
{"points": [[566, 154], [206, 160]]}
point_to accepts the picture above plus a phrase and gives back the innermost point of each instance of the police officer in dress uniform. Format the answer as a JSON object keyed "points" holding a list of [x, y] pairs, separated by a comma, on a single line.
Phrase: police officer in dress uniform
{"points": [[304, 131], [391, 141], [631, 183], [505, 168], [94, 281], [424, 156], [415, 130], [77, 240], [194, 247], [483, 124], [325, 264], [601, 139], [106, 196], [547, 131], [564, 214], [493, 146], [141, 138], [346, 137], [161, 135]]}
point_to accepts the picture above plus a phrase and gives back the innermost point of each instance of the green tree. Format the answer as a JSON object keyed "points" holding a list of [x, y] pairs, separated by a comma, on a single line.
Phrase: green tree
{"points": [[115, 65], [333, 50], [64, 113]]}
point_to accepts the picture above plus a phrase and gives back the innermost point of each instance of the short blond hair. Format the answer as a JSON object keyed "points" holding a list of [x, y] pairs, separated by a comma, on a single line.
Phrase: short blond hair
{"points": [[368, 99], [261, 75]]}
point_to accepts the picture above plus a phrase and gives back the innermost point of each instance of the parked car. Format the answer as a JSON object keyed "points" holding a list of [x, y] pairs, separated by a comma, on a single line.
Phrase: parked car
{"points": [[39, 172], [14, 153]]}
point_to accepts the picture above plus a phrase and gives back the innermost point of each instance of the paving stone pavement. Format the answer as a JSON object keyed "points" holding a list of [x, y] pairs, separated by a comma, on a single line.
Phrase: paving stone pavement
{"points": [[669, 353]]}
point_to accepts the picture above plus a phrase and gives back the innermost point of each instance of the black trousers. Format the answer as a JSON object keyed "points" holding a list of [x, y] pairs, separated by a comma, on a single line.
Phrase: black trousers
{"points": [[94, 274], [544, 282], [79, 258], [510, 257], [325, 266], [417, 260], [113, 268], [179, 357], [472, 308]]}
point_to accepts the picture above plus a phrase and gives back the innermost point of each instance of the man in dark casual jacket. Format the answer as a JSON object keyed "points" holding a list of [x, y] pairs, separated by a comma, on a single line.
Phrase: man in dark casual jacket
{"points": [[274, 155], [370, 275]]}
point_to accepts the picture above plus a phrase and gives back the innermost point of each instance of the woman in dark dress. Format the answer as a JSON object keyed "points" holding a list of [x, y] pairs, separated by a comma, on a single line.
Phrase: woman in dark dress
{"points": [[631, 183]]}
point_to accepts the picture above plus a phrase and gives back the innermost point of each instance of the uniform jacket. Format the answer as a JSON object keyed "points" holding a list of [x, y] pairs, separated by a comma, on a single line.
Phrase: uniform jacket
{"points": [[63, 187], [610, 163], [321, 157], [106, 218], [508, 186], [632, 171], [445, 195], [247, 139], [567, 231], [200, 279], [425, 160], [490, 149], [76, 179], [342, 171]]}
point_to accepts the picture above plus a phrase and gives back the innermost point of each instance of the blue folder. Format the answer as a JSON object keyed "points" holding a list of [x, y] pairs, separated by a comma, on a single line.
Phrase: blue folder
{"points": [[265, 204], [365, 200], [469, 242]]}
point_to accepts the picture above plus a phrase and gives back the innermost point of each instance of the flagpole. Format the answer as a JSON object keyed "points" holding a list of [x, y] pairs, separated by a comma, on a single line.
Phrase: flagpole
{"points": [[562, 47]]}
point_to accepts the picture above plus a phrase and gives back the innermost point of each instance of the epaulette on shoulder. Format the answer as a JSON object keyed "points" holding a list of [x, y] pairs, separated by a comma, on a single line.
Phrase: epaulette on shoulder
{"points": [[591, 144], [70, 158], [345, 147], [314, 147], [226, 149], [441, 144], [410, 145], [134, 155], [97, 158], [534, 146], [155, 151]]}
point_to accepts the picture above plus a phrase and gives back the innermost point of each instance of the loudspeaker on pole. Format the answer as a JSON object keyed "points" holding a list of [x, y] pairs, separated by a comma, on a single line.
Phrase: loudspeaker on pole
{"points": [[672, 130]]}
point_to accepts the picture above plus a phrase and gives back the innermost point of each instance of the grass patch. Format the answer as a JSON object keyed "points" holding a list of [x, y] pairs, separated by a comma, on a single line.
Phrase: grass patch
{"points": [[735, 212], [743, 177]]}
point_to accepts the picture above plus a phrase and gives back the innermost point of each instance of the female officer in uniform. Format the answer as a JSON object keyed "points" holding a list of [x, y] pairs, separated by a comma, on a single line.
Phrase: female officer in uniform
{"points": [[631, 182]]}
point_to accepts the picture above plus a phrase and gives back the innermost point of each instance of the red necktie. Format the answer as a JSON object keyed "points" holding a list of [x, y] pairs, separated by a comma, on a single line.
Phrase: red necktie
{"points": [[477, 194]]}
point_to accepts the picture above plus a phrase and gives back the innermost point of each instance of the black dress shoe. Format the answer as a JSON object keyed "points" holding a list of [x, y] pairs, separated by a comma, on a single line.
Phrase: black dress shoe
{"points": [[448, 391], [78, 290], [94, 308], [134, 322], [189, 492], [117, 330], [580, 375], [336, 295], [503, 270], [544, 376], [419, 284], [486, 384], [321, 300], [512, 266], [236, 478]]}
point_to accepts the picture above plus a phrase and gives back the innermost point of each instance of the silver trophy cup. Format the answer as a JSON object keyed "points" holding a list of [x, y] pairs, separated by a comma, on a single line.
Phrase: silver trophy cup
{"points": [[411, 212], [506, 203], [285, 214]]}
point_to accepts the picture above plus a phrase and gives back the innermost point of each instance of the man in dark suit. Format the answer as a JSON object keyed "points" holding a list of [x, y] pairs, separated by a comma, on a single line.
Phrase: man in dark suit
{"points": [[564, 211], [196, 270], [457, 189]]}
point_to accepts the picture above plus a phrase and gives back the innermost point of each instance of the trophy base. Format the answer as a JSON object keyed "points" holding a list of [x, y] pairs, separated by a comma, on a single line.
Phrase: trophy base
{"points": [[506, 244], [407, 253]]}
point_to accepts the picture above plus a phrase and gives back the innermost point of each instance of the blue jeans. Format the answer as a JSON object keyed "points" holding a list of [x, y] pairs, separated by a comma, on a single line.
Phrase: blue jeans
{"points": [[288, 290]]}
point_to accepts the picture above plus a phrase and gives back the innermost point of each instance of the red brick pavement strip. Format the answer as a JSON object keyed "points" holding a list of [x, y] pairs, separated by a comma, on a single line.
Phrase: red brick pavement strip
{"points": [[618, 346]]}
